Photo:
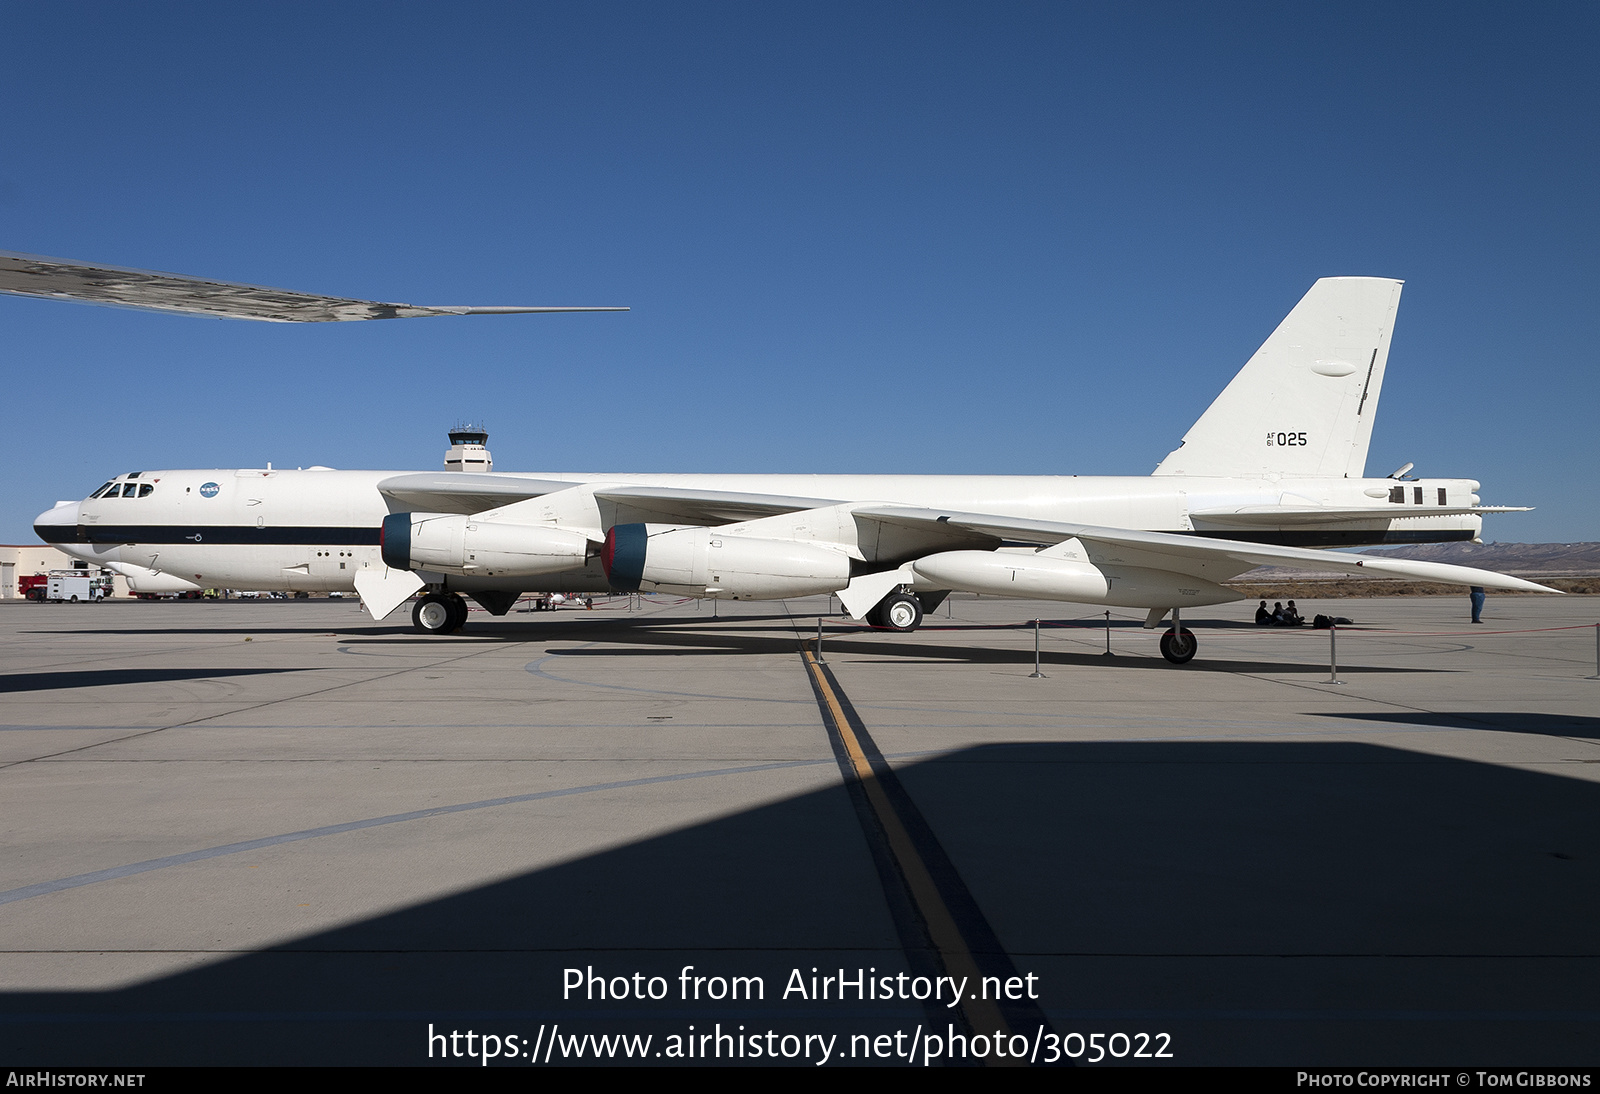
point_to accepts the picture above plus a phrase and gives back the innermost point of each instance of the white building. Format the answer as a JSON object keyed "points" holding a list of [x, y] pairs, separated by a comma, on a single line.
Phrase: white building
{"points": [[19, 560]]}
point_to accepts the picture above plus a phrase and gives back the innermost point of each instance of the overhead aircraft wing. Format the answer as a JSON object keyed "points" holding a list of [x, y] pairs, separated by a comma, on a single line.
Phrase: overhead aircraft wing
{"points": [[677, 505], [1272, 516], [1200, 555], [97, 283], [463, 491]]}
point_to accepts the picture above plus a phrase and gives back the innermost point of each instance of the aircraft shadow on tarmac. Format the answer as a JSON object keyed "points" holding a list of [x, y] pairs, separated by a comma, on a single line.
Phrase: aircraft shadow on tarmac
{"points": [[1549, 725], [95, 678], [1262, 903], [669, 641]]}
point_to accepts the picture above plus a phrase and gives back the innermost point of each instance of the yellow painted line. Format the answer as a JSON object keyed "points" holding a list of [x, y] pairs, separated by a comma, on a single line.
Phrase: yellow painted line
{"points": [[983, 1015]]}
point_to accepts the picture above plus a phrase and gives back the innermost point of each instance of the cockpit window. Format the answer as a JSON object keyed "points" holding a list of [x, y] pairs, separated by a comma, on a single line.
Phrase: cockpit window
{"points": [[103, 487], [145, 490]]}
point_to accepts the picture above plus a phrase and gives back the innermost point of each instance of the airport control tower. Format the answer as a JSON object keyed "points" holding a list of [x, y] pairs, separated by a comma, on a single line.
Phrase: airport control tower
{"points": [[467, 451]]}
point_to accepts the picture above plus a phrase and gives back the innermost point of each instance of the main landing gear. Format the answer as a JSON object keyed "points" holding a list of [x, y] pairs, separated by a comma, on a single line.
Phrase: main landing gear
{"points": [[897, 612], [439, 613]]}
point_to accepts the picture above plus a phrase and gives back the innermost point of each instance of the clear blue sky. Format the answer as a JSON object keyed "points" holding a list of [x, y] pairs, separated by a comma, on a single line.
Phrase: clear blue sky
{"points": [[992, 238]]}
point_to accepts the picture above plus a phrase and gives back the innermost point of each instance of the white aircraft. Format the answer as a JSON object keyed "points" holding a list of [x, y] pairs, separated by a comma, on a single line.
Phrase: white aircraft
{"points": [[1273, 468]]}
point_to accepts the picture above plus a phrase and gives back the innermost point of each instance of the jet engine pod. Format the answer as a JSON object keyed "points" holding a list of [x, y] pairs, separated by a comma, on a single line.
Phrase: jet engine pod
{"points": [[1047, 577], [455, 544], [704, 562]]}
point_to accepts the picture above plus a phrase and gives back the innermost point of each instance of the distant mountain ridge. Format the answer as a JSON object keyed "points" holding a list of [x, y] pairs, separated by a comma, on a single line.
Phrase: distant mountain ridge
{"points": [[1533, 560], [1564, 558]]}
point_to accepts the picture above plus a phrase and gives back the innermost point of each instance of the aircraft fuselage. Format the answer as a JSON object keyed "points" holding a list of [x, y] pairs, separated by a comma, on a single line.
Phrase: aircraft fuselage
{"points": [[314, 530]]}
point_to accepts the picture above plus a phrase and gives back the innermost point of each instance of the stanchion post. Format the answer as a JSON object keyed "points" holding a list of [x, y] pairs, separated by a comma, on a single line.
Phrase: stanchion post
{"points": [[1596, 675], [1036, 674], [820, 661], [1333, 654], [1108, 652]]}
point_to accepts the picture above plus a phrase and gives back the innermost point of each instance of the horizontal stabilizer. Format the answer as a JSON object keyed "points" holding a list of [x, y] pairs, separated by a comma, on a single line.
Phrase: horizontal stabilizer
{"points": [[95, 283], [1274, 516]]}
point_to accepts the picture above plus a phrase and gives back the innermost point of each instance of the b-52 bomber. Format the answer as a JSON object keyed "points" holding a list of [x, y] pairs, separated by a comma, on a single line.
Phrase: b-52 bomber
{"points": [[1273, 470]]}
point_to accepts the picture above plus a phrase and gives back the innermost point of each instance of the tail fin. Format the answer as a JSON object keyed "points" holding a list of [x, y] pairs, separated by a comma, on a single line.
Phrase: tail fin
{"points": [[1304, 404]]}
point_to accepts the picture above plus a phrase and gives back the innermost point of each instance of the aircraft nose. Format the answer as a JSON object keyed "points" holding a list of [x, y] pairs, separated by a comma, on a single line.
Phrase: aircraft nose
{"points": [[58, 525]]}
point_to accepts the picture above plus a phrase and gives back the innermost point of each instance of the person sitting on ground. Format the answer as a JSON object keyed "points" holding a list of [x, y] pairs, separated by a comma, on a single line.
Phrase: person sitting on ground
{"points": [[1263, 617], [1291, 616], [1277, 613]]}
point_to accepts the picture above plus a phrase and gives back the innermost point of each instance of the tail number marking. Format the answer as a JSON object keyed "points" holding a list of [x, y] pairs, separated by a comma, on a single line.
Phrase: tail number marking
{"points": [[1284, 440]]}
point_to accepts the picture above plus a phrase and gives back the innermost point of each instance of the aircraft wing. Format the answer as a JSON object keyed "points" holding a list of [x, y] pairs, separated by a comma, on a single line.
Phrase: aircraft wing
{"points": [[468, 493], [677, 505], [96, 283], [1201, 556], [463, 492]]}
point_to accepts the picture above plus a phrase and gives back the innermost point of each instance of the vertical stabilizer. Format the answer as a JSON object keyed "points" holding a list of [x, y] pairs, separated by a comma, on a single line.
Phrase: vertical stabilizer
{"points": [[1304, 404]]}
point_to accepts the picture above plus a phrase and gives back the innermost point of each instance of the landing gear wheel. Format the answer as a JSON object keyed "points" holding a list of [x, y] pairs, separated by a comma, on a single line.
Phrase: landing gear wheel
{"points": [[899, 613], [1179, 646], [458, 612], [436, 613]]}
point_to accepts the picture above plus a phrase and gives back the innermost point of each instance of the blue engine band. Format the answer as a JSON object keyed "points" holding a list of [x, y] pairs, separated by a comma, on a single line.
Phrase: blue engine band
{"points": [[396, 540], [628, 544]]}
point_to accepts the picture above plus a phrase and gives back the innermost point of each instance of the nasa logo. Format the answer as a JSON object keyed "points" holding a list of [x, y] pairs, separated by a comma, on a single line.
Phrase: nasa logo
{"points": [[209, 490]]}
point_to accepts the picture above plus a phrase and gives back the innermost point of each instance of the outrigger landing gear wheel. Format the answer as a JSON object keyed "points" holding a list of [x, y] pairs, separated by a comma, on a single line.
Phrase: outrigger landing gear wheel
{"points": [[1178, 646], [439, 613], [897, 612]]}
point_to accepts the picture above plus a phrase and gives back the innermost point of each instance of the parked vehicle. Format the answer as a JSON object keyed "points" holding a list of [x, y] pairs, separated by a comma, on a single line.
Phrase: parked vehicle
{"points": [[73, 586]]}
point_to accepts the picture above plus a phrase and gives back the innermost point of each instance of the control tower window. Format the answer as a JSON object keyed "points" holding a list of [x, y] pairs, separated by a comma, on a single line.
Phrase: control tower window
{"points": [[1397, 495], [1418, 495], [1441, 496]]}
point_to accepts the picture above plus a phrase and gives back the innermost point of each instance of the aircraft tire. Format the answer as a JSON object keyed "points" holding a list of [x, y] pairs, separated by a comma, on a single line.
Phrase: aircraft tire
{"points": [[899, 612], [433, 614], [458, 612], [1178, 645]]}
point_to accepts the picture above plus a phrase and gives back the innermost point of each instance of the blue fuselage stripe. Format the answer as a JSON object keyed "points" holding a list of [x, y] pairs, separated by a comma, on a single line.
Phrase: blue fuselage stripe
{"points": [[205, 533]]}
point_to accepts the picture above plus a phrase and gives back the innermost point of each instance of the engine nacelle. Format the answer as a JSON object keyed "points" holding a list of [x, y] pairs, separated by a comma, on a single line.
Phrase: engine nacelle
{"points": [[703, 562], [455, 544], [1049, 578]]}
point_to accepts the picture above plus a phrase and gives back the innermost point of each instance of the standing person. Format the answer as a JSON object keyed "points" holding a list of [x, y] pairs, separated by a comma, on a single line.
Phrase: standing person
{"points": [[1477, 603]]}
